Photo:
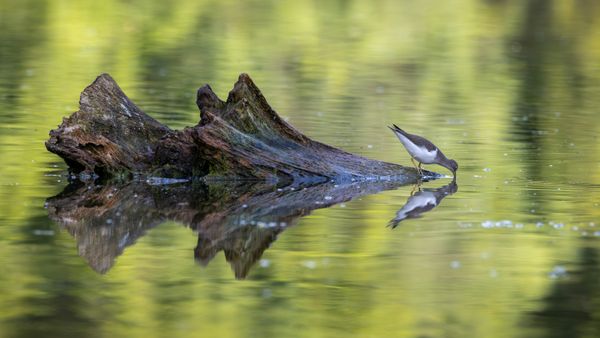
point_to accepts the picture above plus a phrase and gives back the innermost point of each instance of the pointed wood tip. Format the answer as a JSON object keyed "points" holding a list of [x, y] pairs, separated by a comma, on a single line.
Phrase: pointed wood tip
{"points": [[207, 100], [244, 77], [102, 82], [244, 88], [101, 95]]}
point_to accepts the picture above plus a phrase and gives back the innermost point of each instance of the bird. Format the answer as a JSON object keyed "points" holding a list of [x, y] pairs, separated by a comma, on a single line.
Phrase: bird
{"points": [[423, 151], [423, 201]]}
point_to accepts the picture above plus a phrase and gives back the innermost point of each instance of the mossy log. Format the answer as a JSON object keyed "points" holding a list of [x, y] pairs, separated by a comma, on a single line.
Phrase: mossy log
{"points": [[241, 138]]}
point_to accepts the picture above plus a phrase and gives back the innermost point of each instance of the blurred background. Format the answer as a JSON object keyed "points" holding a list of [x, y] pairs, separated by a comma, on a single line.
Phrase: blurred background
{"points": [[510, 89]]}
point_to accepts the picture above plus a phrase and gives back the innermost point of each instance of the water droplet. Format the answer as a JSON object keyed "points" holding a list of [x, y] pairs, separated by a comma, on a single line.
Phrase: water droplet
{"points": [[487, 224], [309, 264], [40, 232], [505, 223], [557, 272]]}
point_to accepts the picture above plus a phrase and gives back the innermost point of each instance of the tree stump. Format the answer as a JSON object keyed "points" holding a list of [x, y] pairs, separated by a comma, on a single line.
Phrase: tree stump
{"points": [[240, 138]]}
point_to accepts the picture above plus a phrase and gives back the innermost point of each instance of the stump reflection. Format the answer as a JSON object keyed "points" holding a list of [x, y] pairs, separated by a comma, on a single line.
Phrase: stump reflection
{"points": [[242, 219]]}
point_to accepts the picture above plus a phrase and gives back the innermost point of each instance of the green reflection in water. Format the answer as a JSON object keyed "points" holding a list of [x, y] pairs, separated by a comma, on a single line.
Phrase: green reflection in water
{"points": [[506, 86]]}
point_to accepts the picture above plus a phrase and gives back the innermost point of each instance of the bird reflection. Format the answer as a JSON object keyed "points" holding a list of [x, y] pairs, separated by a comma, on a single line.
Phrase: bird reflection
{"points": [[422, 201]]}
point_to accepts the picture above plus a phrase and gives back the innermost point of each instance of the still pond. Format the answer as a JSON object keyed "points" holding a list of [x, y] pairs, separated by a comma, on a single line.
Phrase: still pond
{"points": [[510, 89]]}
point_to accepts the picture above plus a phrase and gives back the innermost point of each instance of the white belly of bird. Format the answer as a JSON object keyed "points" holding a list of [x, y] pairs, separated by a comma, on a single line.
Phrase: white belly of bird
{"points": [[421, 154], [419, 200]]}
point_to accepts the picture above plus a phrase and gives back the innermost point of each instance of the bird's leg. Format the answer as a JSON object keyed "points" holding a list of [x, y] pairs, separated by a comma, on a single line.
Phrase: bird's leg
{"points": [[420, 169], [413, 161], [416, 187], [412, 192], [416, 166]]}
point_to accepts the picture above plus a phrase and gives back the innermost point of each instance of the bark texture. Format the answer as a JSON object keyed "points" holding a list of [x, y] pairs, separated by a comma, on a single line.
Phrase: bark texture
{"points": [[240, 138]]}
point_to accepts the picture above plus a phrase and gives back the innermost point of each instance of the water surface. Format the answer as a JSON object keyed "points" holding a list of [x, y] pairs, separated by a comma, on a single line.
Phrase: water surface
{"points": [[507, 88]]}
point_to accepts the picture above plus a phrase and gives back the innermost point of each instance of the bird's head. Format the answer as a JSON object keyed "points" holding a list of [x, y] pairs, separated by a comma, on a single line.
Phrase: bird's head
{"points": [[453, 166]]}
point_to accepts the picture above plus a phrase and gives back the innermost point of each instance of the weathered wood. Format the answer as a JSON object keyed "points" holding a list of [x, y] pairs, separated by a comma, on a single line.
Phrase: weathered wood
{"points": [[241, 138], [109, 134]]}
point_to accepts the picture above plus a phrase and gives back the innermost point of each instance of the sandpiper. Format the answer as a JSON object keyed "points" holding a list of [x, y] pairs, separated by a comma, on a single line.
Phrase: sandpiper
{"points": [[423, 201], [423, 151]]}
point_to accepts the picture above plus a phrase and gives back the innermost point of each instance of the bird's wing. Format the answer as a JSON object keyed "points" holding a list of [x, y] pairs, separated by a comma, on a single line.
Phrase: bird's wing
{"points": [[417, 204], [415, 138]]}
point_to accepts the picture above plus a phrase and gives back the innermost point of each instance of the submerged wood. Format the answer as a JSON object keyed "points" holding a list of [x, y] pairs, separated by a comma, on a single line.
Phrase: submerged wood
{"points": [[241, 138], [242, 219]]}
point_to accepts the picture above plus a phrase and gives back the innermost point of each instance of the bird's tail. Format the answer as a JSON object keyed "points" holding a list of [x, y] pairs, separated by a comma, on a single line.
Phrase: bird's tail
{"points": [[397, 129]]}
